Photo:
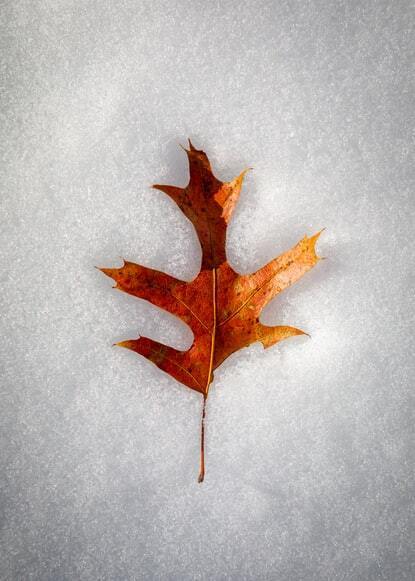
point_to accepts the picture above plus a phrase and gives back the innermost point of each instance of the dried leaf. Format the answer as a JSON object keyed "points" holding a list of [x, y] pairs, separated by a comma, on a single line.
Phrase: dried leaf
{"points": [[220, 306]]}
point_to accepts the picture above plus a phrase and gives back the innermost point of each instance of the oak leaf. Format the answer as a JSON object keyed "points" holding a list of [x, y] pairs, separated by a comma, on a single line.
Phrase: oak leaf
{"points": [[220, 306]]}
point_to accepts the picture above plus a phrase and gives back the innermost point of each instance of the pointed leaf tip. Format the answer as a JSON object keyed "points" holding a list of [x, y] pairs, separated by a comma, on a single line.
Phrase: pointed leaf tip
{"points": [[183, 147], [129, 344], [107, 271], [241, 176], [312, 241], [317, 235], [102, 269]]}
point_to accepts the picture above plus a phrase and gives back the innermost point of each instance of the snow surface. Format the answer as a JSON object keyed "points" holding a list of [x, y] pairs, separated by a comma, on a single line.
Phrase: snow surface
{"points": [[309, 471]]}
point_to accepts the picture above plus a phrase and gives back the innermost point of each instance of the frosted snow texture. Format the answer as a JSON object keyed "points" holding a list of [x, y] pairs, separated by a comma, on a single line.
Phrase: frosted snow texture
{"points": [[309, 473]]}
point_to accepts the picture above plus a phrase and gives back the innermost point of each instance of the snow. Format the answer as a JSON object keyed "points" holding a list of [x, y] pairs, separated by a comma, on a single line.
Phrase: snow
{"points": [[308, 443]]}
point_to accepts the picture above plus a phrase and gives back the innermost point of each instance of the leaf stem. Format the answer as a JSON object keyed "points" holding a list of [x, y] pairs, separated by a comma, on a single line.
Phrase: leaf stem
{"points": [[202, 442]]}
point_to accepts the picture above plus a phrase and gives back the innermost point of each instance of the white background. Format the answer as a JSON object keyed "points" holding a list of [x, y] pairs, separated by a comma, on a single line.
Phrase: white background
{"points": [[308, 464]]}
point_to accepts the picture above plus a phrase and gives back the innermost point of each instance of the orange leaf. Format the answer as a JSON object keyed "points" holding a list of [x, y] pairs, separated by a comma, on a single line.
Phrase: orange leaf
{"points": [[221, 306]]}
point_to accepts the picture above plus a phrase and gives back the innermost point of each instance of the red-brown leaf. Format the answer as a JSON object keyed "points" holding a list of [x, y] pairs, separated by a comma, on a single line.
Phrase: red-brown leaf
{"points": [[221, 306]]}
